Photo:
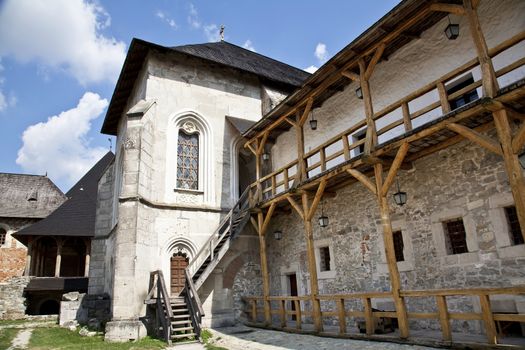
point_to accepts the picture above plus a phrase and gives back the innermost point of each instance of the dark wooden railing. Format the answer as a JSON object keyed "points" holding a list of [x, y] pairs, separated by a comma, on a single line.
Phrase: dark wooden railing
{"points": [[194, 304], [159, 293]]}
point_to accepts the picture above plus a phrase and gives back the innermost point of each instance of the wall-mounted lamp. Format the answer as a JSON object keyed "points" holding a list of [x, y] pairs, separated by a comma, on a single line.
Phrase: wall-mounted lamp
{"points": [[359, 93], [452, 30], [278, 235], [313, 121], [323, 219], [400, 197], [266, 156], [521, 158]]}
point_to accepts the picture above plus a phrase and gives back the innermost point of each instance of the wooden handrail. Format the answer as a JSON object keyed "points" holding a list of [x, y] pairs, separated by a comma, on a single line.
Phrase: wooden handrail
{"points": [[194, 303], [163, 302]]}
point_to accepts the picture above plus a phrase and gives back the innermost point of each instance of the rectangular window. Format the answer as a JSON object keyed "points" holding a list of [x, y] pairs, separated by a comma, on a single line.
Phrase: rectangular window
{"points": [[398, 245], [358, 136], [324, 259], [514, 225], [188, 161], [465, 98], [456, 236], [3, 234]]}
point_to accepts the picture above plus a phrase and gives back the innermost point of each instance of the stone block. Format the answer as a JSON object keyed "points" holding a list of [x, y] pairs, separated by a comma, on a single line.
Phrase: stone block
{"points": [[124, 331]]}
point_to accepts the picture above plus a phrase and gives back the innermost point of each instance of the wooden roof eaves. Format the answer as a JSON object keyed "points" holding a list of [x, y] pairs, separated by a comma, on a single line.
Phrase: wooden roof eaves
{"points": [[347, 58]]}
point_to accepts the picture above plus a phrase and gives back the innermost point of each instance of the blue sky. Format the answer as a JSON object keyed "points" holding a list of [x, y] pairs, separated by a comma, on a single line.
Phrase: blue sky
{"points": [[59, 61]]}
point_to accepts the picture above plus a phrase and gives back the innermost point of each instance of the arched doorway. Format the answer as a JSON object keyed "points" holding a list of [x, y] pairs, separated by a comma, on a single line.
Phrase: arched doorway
{"points": [[178, 263]]}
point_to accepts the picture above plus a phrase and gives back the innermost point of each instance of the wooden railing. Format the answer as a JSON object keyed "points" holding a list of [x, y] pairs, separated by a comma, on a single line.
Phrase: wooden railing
{"points": [[159, 294], [392, 121], [359, 305], [194, 304]]}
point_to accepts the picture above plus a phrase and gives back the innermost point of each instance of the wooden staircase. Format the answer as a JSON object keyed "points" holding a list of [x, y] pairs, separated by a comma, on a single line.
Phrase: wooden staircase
{"points": [[179, 318]]}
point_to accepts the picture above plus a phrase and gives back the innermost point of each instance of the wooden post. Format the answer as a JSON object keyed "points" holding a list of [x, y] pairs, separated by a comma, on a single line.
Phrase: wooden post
{"points": [[27, 271], [407, 121], [445, 104], [512, 165], [88, 258], [300, 175], [254, 310], [371, 134], [488, 319], [390, 255], [58, 258], [342, 315], [258, 175], [369, 318], [490, 83], [443, 317], [282, 312], [262, 226], [298, 315]]}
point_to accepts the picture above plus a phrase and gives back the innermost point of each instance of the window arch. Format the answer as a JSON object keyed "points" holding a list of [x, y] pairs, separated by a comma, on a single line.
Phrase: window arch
{"points": [[189, 159]]}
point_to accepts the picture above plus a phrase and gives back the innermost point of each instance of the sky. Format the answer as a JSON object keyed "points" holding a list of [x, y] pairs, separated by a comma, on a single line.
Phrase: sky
{"points": [[60, 60]]}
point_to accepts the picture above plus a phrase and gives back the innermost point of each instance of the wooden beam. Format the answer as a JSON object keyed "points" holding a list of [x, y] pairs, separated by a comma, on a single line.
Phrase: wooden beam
{"points": [[488, 319], [388, 239], [351, 75], [518, 141], [490, 83], [450, 8], [407, 121], [266, 222], [289, 121], [312, 267], [296, 206], [264, 270], [260, 146], [317, 199], [363, 179], [375, 58], [306, 111], [249, 145], [400, 156], [371, 134], [512, 165], [300, 176], [443, 317], [445, 104], [474, 136], [254, 224]]}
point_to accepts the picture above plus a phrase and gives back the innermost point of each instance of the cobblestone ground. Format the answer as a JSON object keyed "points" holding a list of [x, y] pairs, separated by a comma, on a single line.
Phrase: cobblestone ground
{"points": [[247, 338]]}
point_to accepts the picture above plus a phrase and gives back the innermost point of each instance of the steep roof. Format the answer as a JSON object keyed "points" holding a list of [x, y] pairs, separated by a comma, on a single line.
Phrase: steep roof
{"points": [[222, 53], [76, 217], [15, 190]]}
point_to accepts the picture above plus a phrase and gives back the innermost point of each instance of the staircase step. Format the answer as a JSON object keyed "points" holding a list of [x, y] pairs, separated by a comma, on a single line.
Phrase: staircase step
{"points": [[180, 316], [180, 329], [177, 303], [186, 335], [180, 310], [181, 322]]}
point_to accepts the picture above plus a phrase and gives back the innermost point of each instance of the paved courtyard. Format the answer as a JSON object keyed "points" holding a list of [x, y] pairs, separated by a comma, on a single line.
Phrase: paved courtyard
{"points": [[247, 338]]}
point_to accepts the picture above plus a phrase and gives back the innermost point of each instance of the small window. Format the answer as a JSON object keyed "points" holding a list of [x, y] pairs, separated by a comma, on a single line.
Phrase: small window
{"points": [[398, 245], [456, 236], [358, 136], [514, 225], [324, 259], [467, 97], [3, 234]]}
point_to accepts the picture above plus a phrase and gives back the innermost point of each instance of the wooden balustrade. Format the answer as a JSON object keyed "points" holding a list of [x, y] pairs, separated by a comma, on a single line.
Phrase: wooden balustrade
{"points": [[341, 312], [339, 148]]}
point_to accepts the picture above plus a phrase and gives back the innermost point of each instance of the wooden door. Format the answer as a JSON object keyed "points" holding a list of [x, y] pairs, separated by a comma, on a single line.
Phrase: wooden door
{"points": [[292, 279], [178, 264]]}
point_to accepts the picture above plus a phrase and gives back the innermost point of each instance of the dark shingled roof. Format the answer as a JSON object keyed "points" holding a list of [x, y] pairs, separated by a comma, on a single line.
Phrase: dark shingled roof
{"points": [[76, 217], [287, 77], [15, 190]]}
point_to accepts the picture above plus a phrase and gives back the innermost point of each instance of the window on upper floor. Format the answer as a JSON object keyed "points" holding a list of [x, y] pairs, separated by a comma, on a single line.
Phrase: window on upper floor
{"points": [[187, 161], [3, 235], [324, 259], [456, 236], [398, 245], [464, 98], [514, 226], [358, 136]]}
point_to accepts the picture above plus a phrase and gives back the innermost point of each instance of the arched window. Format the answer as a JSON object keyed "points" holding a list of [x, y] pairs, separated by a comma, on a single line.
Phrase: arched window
{"points": [[188, 158], [3, 235]]}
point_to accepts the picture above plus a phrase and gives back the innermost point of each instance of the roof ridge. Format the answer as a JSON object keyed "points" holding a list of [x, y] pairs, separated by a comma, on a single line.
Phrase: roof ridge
{"points": [[7, 173]]}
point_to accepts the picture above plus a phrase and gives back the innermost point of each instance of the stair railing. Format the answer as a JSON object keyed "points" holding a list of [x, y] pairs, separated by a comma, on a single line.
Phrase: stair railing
{"points": [[164, 312], [218, 235], [194, 304]]}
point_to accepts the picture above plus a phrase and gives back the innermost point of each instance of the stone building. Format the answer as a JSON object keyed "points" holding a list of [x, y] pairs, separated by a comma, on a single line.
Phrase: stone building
{"points": [[424, 109], [24, 200]]}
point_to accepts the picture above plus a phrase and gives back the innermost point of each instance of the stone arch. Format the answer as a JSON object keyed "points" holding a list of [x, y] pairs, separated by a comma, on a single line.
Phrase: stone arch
{"points": [[192, 123], [181, 245], [231, 271]]}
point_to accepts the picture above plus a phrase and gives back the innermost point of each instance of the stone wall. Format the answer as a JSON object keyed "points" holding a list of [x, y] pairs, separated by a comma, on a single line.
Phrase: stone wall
{"points": [[81, 309], [13, 253], [462, 181], [12, 300]]}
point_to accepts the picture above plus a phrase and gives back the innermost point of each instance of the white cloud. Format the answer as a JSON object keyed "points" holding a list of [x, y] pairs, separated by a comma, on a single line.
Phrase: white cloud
{"points": [[311, 69], [212, 32], [249, 45], [61, 35], [164, 17], [321, 53], [193, 17], [60, 145], [5, 101]]}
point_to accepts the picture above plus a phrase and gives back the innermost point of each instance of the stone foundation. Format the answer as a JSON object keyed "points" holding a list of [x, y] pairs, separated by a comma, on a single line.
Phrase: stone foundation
{"points": [[81, 309], [12, 300], [125, 330]]}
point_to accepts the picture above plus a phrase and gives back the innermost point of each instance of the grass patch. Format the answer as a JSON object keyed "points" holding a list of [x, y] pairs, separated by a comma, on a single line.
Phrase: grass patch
{"points": [[6, 336], [206, 337], [61, 339], [13, 322]]}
